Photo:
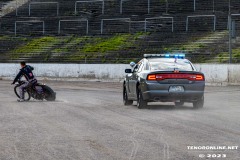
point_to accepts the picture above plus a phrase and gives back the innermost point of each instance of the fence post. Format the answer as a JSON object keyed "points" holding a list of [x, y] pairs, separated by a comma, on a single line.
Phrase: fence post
{"points": [[145, 25], [121, 6], [103, 6], [75, 7], [29, 9], [15, 29], [59, 27], [57, 9], [43, 27], [102, 26], [87, 28], [194, 5], [148, 6], [16, 8], [214, 23]]}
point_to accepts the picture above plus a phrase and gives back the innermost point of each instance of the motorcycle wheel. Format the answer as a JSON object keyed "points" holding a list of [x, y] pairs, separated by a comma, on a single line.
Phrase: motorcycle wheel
{"points": [[50, 95], [27, 96]]}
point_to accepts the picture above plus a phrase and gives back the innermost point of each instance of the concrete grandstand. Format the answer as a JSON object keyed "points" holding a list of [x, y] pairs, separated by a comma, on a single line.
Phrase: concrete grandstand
{"points": [[198, 28]]}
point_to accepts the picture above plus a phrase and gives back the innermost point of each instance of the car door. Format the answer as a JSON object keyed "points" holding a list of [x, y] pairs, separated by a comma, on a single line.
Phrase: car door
{"points": [[131, 80], [135, 78], [128, 84]]}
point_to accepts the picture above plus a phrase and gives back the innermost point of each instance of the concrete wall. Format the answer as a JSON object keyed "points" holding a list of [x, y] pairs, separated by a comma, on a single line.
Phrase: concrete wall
{"points": [[221, 74], [71, 71]]}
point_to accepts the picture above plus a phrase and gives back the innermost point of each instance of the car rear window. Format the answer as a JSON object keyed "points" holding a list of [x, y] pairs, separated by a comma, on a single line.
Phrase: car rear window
{"points": [[170, 64]]}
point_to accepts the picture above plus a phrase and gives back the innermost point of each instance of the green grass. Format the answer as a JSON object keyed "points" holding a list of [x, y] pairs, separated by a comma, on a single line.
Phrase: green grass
{"points": [[9, 38], [102, 45], [95, 47], [4, 38], [224, 56], [71, 44], [35, 46]]}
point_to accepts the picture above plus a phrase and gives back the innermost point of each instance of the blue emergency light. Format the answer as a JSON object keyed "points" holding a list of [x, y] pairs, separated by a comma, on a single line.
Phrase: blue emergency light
{"points": [[177, 55]]}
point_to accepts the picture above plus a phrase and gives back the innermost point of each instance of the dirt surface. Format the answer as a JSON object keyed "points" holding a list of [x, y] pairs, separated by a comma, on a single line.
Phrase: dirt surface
{"points": [[89, 121]]}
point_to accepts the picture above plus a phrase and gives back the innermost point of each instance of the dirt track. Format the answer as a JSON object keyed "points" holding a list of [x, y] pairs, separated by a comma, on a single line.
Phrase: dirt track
{"points": [[89, 121]]}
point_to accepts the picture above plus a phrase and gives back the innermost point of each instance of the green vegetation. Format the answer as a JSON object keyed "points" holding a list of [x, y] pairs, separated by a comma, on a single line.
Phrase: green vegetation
{"points": [[35, 46], [71, 44], [7, 38], [188, 47], [224, 56], [74, 48], [96, 47], [4, 37], [102, 45], [119, 48]]}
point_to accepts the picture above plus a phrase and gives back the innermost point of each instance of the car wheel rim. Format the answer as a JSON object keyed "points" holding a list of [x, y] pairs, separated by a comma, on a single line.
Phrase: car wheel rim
{"points": [[124, 93], [138, 100]]}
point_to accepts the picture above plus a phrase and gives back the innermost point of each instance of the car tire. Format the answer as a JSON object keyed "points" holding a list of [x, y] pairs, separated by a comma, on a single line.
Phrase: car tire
{"points": [[179, 104], [140, 102], [199, 103], [126, 102]]}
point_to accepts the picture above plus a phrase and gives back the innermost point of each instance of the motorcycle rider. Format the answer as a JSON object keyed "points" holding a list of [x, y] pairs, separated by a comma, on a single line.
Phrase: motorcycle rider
{"points": [[26, 71]]}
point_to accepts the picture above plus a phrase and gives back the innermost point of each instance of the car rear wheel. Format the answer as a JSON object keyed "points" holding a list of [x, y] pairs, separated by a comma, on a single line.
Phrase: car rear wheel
{"points": [[199, 103], [140, 102], [179, 104], [126, 102]]}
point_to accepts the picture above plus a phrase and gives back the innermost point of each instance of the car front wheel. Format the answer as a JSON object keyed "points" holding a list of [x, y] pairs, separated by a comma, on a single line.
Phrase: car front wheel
{"points": [[126, 102], [140, 102]]}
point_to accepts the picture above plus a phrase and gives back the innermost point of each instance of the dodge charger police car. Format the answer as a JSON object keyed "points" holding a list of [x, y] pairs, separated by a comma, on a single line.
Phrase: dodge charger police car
{"points": [[163, 78]]}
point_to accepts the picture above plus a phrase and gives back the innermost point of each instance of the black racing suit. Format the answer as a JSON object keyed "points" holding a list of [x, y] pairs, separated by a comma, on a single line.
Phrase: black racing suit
{"points": [[28, 74]]}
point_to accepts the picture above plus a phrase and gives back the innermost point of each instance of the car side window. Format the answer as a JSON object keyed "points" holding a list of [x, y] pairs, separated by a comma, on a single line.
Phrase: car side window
{"points": [[136, 68], [141, 67], [147, 66]]}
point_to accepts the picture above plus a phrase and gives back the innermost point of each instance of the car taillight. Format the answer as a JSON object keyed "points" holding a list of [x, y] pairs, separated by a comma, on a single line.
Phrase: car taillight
{"points": [[200, 77], [191, 77], [152, 77]]}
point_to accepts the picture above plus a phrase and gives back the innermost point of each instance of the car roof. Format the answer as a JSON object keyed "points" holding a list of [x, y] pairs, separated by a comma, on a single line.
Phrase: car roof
{"points": [[166, 59]]}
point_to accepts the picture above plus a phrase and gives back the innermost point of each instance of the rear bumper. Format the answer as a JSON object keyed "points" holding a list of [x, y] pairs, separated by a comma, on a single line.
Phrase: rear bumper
{"points": [[165, 96], [160, 92]]}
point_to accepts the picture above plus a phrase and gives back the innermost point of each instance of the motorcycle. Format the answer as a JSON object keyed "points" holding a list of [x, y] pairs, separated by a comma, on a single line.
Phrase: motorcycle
{"points": [[37, 91]]}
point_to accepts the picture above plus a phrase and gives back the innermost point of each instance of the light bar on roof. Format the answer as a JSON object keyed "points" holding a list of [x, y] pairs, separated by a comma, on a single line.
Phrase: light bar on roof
{"points": [[177, 55]]}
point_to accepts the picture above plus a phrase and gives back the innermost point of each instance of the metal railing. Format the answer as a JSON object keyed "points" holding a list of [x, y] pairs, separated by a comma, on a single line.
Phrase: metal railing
{"points": [[213, 5], [34, 21], [75, 20], [121, 6], [199, 16], [39, 3], [154, 18], [128, 20], [89, 1]]}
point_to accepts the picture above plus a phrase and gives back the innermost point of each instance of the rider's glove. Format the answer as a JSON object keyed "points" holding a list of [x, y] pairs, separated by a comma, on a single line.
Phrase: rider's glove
{"points": [[13, 83]]}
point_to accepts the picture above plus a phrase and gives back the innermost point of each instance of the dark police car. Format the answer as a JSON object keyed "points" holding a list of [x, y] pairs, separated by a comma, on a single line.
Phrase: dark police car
{"points": [[163, 78]]}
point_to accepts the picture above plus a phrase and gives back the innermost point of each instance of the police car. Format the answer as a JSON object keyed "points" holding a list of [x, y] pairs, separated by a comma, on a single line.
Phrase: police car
{"points": [[163, 78]]}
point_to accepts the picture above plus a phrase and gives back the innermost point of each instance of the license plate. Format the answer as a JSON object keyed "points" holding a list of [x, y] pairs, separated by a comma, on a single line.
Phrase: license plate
{"points": [[176, 89]]}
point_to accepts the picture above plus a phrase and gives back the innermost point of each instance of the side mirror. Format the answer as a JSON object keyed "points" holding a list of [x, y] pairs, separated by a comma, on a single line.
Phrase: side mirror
{"points": [[128, 70], [132, 64]]}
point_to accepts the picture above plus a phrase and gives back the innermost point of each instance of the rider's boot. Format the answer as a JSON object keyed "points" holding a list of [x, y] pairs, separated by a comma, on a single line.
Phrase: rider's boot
{"points": [[20, 100]]}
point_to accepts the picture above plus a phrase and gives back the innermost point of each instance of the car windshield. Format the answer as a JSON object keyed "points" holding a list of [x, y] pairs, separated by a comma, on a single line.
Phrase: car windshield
{"points": [[170, 64]]}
